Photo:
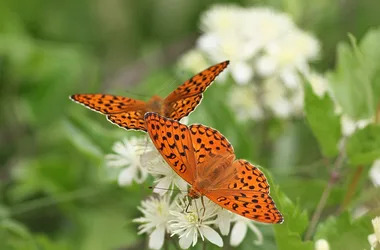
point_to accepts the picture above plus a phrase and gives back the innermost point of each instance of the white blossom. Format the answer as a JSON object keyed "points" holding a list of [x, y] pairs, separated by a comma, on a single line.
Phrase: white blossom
{"points": [[374, 239], [244, 102], [240, 228], [374, 173], [195, 222], [155, 218], [322, 244], [126, 156], [165, 177], [262, 45], [349, 125], [223, 221], [318, 83]]}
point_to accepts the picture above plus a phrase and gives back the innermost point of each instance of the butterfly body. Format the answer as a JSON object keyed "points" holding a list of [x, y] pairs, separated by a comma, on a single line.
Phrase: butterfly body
{"points": [[155, 104], [205, 159], [129, 113]]}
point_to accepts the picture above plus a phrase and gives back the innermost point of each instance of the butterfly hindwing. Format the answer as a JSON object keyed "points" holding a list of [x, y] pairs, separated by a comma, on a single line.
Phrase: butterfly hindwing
{"points": [[245, 190], [129, 120]]}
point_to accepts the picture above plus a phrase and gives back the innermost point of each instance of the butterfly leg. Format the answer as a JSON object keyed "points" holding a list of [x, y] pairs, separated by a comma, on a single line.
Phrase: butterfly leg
{"points": [[203, 205], [188, 205]]}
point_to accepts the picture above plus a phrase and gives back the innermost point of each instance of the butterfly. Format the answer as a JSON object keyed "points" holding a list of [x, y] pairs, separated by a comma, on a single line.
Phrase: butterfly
{"points": [[205, 159], [129, 113]]}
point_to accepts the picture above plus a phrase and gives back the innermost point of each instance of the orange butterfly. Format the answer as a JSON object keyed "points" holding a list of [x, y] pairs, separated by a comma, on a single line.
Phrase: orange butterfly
{"points": [[205, 159], [129, 113]]}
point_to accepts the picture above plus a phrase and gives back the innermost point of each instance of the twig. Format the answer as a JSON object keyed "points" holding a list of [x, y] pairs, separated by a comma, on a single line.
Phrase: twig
{"points": [[326, 193], [351, 188]]}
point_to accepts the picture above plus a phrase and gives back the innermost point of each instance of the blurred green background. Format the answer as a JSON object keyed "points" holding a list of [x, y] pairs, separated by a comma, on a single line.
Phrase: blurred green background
{"points": [[53, 194]]}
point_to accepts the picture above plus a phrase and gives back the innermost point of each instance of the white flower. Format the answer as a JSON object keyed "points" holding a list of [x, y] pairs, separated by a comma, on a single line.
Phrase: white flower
{"points": [[165, 177], [240, 229], [293, 50], [274, 97], [232, 48], [127, 156], [374, 239], [374, 173], [318, 83], [321, 244], [155, 218], [349, 125], [194, 222], [220, 19], [223, 220], [263, 25], [244, 102], [193, 61]]}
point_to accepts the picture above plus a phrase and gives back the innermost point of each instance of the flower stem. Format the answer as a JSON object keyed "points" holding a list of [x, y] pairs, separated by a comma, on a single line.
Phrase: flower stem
{"points": [[351, 188], [326, 193]]}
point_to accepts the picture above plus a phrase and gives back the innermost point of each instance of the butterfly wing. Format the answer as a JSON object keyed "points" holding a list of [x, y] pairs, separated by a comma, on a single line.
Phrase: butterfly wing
{"points": [[172, 139], [183, 100], [244, 190], [208, 142], [108, 104], [129, 120], [125, 112]]}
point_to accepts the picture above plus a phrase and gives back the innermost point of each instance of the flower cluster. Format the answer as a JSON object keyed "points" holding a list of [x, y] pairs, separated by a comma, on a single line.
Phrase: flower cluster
{"points": [[169, 214], [267, 53]]}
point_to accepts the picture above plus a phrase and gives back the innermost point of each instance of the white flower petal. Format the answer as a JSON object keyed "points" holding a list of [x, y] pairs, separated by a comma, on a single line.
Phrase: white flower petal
{"points": [[156, 238], [185, 241], [374, 173], [211, 235], [241, 72], [266, 66], [126, 176], [372, 240], [224, 221], [322, 244], [238, 232]]}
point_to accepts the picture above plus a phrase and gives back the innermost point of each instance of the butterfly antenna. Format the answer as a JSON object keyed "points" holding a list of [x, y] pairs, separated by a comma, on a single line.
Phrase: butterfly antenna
{"points": [[176, 79], [136, 94], [167, 189]]}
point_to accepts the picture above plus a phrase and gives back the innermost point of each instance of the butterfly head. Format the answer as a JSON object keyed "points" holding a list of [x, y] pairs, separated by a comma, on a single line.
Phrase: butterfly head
{"points": [[193, 193]]}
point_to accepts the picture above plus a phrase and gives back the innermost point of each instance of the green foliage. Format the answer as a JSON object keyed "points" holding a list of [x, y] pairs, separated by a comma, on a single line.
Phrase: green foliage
{"points": [[323, 121], [356, 80], [288, 234], [343, 232], [363, 147]]}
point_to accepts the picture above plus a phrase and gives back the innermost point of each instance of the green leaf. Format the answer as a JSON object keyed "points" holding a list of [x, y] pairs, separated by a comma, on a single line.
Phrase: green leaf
{"points": [[344, 233], [288, 234], [357, 76], [363, 147], [323, 121], [81, 141]]}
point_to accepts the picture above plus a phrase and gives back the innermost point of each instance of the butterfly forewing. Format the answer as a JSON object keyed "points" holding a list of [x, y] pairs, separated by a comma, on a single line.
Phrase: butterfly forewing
{"points": [[172, 139], [183, 100], [108, 104], [208, 142]]}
